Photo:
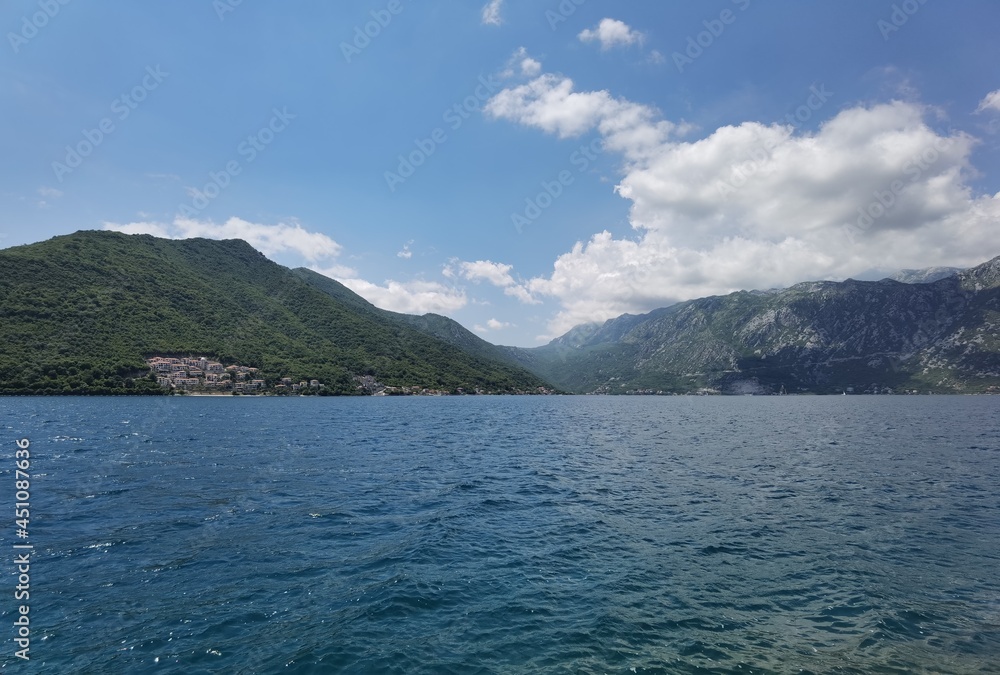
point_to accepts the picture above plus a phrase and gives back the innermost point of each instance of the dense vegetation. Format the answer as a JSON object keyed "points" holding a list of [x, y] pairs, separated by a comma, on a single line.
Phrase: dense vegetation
{"points": [[79, 313]]}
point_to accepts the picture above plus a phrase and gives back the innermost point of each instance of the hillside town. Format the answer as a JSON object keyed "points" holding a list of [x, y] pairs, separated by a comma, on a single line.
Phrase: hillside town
{"points": [[199, 374]]}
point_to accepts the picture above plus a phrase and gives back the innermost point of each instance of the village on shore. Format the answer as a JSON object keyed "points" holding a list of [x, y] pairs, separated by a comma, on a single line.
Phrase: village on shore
{"points": [[199, 374]]}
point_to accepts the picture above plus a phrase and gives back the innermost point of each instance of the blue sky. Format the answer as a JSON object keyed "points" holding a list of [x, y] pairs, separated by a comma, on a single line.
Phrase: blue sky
{"points": [[519, 165]]}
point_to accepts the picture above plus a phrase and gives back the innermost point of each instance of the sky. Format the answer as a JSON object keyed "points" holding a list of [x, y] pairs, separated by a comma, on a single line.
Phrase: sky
{"points": [[522, 166]]}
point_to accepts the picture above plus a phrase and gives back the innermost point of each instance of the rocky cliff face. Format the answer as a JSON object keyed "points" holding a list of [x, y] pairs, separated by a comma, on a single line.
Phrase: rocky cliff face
{"points": [[821, 337]]}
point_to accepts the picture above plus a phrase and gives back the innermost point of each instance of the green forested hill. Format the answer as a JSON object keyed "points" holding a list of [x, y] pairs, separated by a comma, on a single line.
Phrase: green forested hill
{"points": [[79, 313]]}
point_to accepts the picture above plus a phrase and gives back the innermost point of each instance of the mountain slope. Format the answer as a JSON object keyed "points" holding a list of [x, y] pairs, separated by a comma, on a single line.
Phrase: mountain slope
{"points": [[79, 313], [812, 337], [924, 276], [434, 325]]}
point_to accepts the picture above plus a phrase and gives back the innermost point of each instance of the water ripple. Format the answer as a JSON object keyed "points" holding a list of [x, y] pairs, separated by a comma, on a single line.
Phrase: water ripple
{"points": [[511, 535]]}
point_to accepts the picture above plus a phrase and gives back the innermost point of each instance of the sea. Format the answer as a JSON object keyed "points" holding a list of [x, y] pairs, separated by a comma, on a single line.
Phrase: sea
{"points": [[564, 534]]}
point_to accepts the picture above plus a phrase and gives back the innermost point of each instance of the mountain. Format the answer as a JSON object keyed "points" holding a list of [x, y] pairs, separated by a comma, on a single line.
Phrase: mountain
{"points": [[816, 337], [80, 313], [924, 276], [434, 325]]}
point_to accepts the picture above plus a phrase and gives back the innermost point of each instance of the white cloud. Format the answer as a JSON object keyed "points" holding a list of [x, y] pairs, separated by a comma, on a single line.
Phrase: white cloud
{"points": [[612, 33], [268, 239], [550, 103], [520, 63], [491, 13], [492, 325], [756, 205], [406, 253], [522, 294], [337, 271], [991, 102], [411, 297], [497, 274], [530, 67]]}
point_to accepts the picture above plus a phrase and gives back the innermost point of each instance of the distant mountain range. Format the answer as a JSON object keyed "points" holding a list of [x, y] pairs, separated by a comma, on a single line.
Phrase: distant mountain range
{"points": [[938, 332], [924, 276], [79, 313]]}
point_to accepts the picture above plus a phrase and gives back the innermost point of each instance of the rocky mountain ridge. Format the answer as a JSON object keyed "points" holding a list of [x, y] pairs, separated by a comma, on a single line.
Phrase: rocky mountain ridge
{"points": [[885, 336]]}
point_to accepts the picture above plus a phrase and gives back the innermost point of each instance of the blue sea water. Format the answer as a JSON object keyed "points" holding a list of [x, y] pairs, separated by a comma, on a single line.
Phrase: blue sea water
{"points": [[508, 535]]}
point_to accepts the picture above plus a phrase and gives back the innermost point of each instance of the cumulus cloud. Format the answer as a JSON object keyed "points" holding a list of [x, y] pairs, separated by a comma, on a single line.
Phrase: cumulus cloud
{"points": [[268, 239], [550, 103], [757, 205], [491, 13], [406, 253], [521, 294], [521, 63], [991, 102], [492, 325], [410, 297], [612, 33], [497, 274]]}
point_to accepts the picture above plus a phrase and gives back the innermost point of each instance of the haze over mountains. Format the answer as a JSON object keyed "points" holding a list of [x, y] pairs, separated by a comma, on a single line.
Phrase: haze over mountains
{"points": [[78, 313]]}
